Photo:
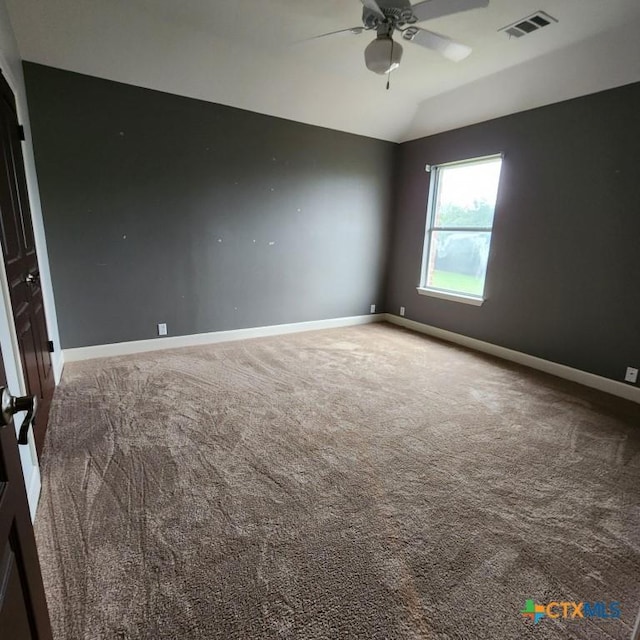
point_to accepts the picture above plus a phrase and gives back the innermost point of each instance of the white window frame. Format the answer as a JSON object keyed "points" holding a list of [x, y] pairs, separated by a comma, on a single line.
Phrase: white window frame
{"points": [[434, 185]]}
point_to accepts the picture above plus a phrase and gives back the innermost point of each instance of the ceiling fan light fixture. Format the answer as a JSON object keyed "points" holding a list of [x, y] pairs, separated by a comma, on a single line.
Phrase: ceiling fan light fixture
{"points": [[383, 55]]}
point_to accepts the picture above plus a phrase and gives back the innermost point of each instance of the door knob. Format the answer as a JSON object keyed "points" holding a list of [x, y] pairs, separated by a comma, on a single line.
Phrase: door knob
{"points": [[32, 278], [10, 405]]}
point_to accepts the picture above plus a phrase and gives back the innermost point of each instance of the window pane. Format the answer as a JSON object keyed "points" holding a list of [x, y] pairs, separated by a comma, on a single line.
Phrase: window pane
{"points": [[458, 261], [467, 194]]}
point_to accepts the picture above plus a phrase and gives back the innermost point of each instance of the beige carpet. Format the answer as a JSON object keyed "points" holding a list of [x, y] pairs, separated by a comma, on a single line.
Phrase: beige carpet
{"points": [[354, 483]]}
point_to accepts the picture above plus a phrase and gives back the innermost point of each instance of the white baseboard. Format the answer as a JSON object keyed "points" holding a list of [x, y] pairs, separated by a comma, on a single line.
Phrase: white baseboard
{"points": [[33, 491], [175, 342], [613, 387], [57, 362]]}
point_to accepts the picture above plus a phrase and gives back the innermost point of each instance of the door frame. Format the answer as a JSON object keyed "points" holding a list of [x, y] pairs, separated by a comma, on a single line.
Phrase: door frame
{"points": [[8, 335]]}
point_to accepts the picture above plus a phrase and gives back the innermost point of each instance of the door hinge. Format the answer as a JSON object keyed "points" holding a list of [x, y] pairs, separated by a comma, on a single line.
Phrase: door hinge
{"points": [[21, 132], [51, 348]]}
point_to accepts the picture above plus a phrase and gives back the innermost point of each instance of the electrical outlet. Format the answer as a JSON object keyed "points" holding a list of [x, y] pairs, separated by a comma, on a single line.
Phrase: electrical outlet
{"points": [[373, 308], [631, 375], [162, 329], [402, 311]]}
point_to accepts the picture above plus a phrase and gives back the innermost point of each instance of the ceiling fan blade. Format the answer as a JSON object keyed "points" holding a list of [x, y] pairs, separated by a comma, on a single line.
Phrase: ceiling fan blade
{"points": [[356, 31], [446, 47], [430, 9], [373, 5]]}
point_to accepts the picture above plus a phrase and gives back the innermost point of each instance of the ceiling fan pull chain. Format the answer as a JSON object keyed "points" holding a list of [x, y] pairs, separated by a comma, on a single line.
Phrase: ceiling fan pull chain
{"points": [[390, 65]]}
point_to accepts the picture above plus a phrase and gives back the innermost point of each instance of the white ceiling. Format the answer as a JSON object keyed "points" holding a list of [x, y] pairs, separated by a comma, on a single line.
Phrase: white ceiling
{"points": [[248, 54]]}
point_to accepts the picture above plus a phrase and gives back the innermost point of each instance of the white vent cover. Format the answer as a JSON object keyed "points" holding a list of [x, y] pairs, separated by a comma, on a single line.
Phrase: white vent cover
{"points": [[529, 24]]}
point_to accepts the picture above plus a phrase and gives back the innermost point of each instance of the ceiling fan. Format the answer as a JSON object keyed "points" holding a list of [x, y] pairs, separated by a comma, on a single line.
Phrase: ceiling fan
{"points": [[386, 17]]}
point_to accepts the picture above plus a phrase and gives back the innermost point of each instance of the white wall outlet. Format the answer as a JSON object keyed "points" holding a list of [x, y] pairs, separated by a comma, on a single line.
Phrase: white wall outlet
{"points": [[373, 308], [402, 311], [631, 375], [162, 329]]}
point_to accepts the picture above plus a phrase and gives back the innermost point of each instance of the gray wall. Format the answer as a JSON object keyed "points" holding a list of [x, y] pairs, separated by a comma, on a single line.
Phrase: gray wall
{"points": [[563, 280], [160, 208], [163, 209]]}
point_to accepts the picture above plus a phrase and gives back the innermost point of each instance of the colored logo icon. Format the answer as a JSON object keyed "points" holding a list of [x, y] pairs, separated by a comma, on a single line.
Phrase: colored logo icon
{"points": [[533, 611]]}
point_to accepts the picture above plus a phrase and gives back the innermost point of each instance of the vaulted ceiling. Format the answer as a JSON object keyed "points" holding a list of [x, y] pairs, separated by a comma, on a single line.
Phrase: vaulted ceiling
{"points": [[253, 54]]}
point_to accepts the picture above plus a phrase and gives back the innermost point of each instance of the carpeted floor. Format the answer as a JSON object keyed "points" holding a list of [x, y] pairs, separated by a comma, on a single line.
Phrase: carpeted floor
{"points": [[354, 483]]}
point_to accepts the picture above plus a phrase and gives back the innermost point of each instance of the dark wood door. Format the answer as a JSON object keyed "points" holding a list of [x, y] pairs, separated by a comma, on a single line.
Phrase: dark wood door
{"points": [[23, 608], [21, 262]]}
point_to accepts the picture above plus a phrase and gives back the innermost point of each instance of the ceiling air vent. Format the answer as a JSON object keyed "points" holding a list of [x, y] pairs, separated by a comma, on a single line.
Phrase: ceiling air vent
{"points": [[528, 25]]}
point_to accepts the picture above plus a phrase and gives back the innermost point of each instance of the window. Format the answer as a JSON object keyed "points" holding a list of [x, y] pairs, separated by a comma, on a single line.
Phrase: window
{"points": [[460, 212]]}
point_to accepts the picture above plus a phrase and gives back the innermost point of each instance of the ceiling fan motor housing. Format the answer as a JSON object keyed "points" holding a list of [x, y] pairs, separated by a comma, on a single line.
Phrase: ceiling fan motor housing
{"points": [[396, 12]]}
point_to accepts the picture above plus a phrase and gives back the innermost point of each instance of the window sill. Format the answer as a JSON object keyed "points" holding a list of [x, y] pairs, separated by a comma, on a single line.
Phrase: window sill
{"points": [[449, 295]]}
